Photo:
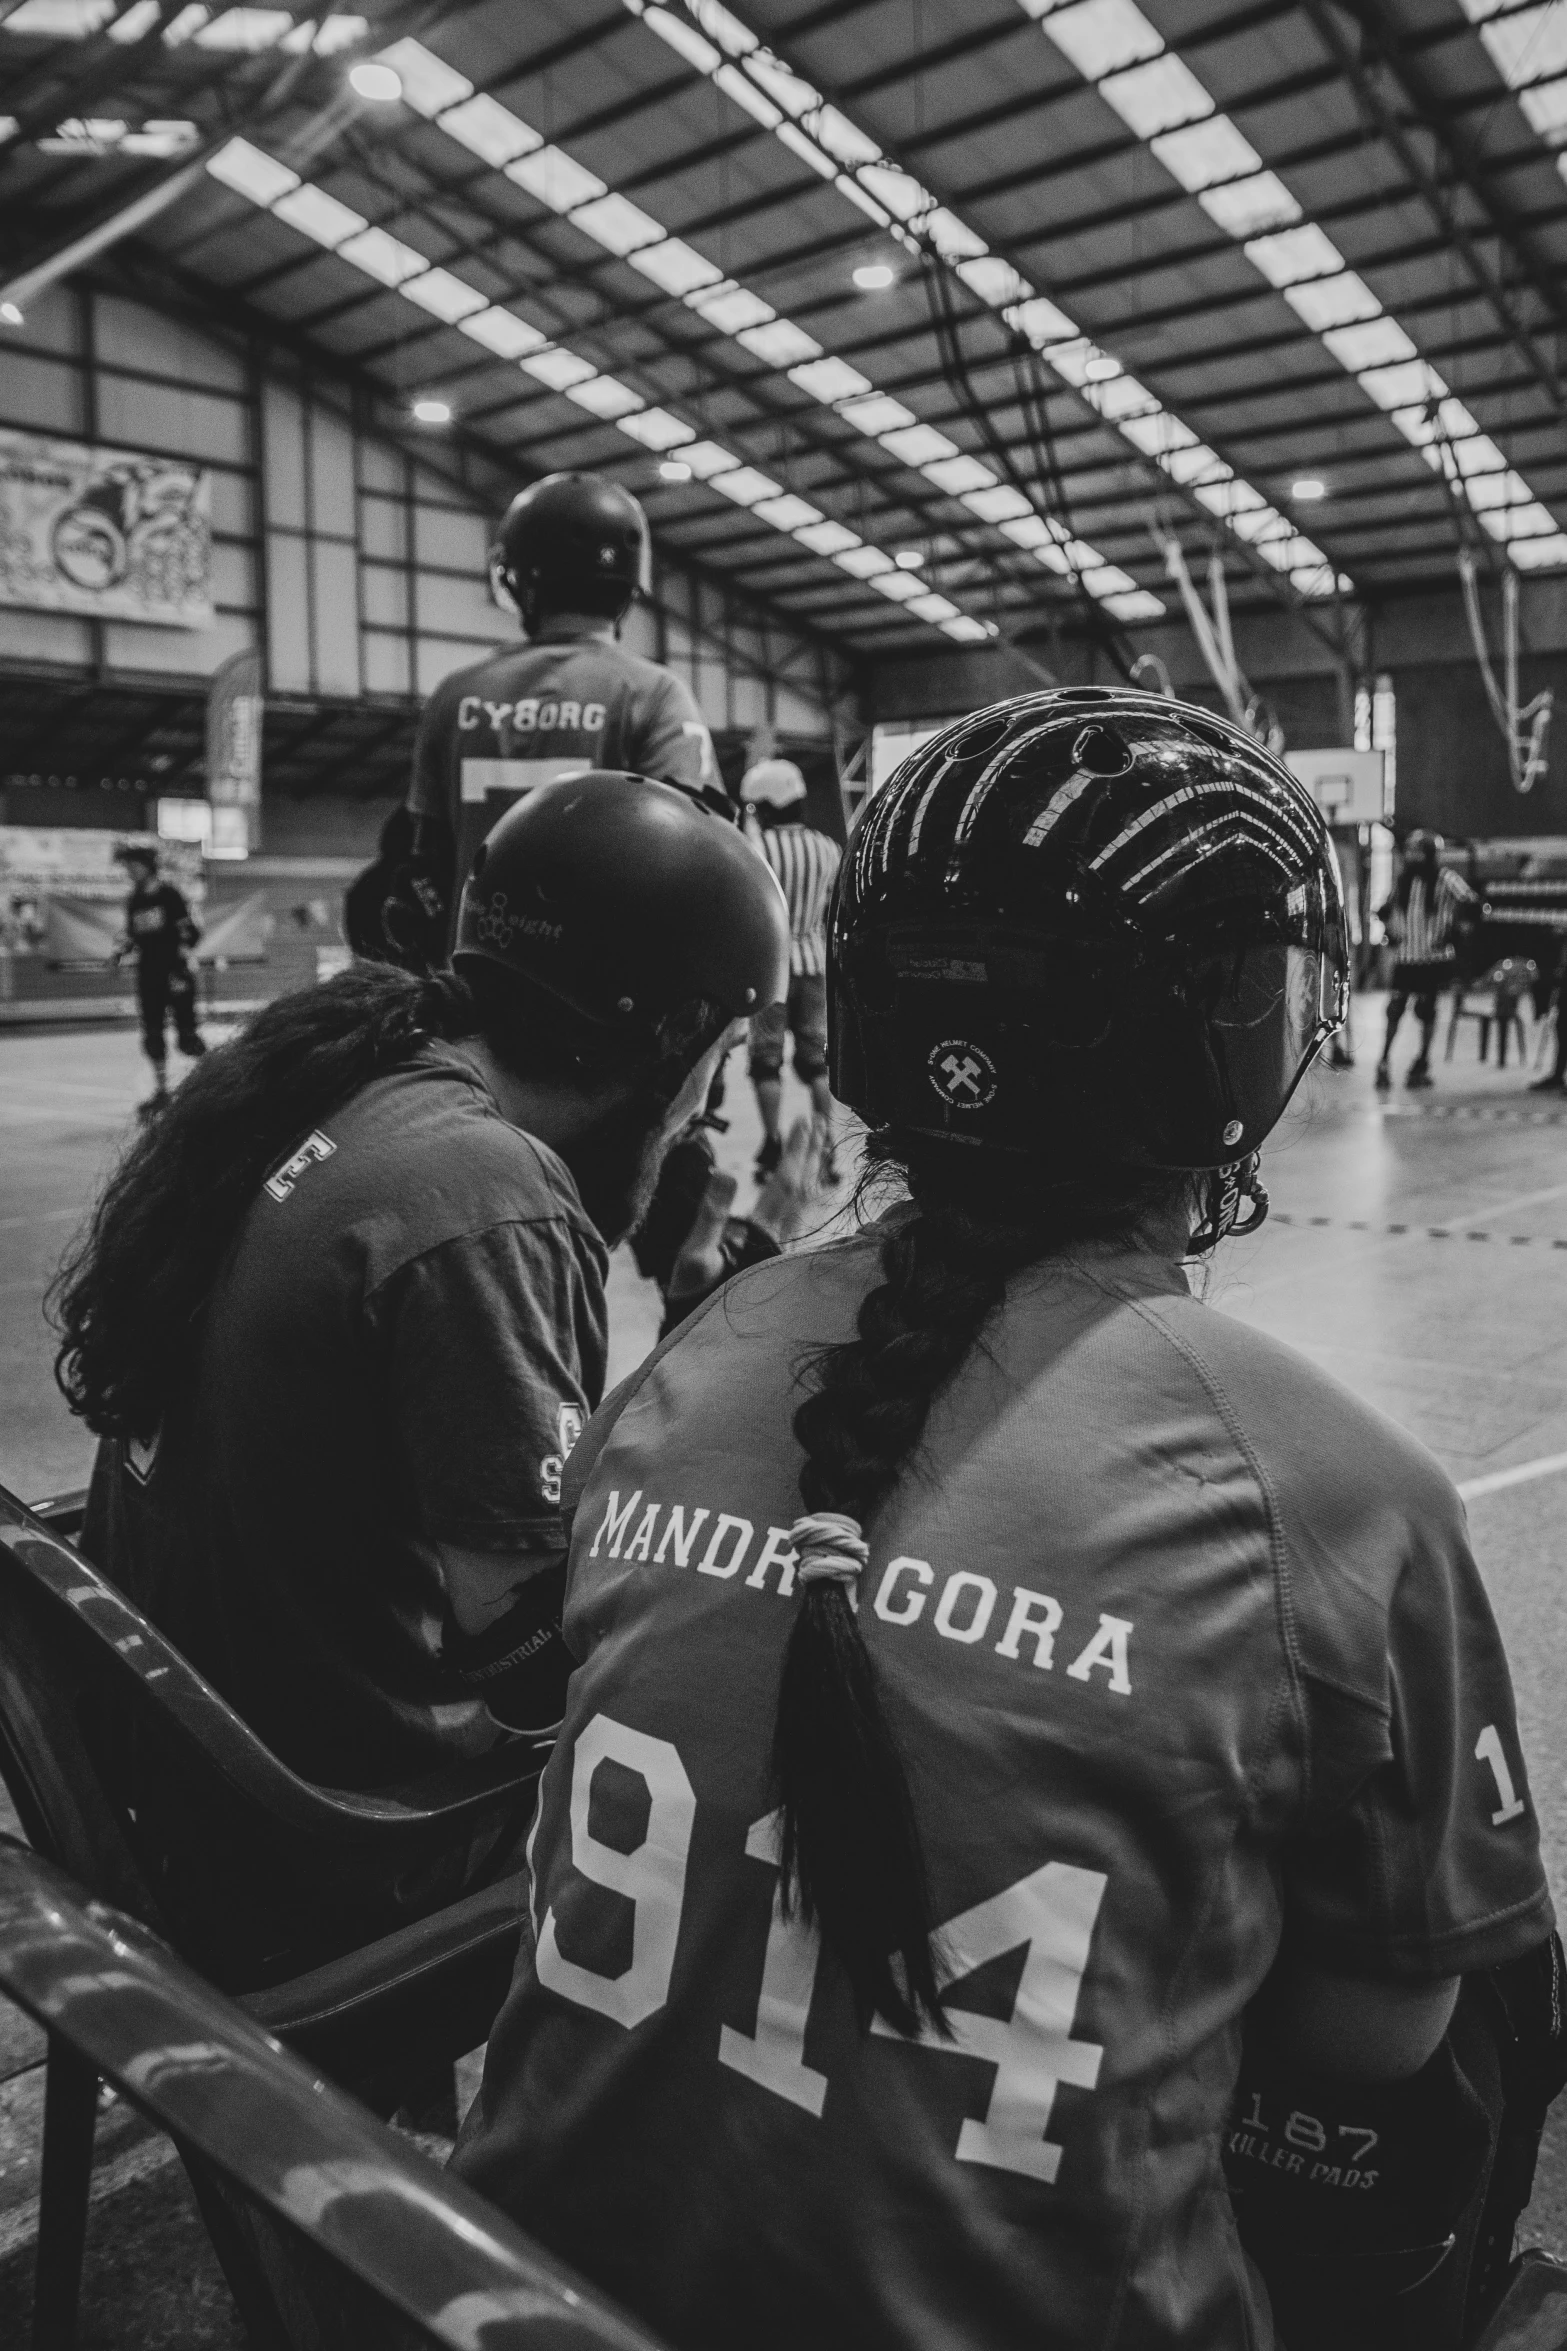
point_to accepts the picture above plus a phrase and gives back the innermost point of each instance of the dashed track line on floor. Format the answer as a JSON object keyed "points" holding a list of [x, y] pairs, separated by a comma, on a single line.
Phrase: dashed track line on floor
{"points": [[1421, 1232], [1481, 1112]]}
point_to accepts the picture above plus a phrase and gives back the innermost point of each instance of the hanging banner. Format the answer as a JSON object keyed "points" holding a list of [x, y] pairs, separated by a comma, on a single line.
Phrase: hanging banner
{"points": [[104, 532], [235, 708]]}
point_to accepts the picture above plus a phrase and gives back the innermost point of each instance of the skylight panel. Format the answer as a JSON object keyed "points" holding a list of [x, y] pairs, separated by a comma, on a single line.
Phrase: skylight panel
{"points": [[326, 35], [744, 92], [1030, 532], [1108, 580], [780, 343], [1333, 302], [60, 20], [1139, 604], [788, 513], [1398, 387], [676, 266], [1206, 153], [1121, 397], [878, 413], [1519, 523], [843, 140], [953, 239], [656, 429], [782, 84], [1497, 489], [430, 85], [1195, 462], [1159, 433], [502, 332], [707, 459], [745, 485], [1001, 504], [827, 538], [730, 308], [249, 172], [383, 256], [318, 215], [954, 475], [618, 224], [995, 281], [135, 23], [160, 139], [605, 396], [1249, 208], [1530, 45], [185, 26], [1159, 96], [1375, 342], [1545, 111], [445, 296], [682, 36], [1053, 557], [899, 587], [863, 562], [918, 444], [932, 606], [254, 29], [1102, 36], [1452, 427], [558, 369], [830, 380], [1540, 554], [1041, 322], [1304, 252], [965, 629], [555, 179], [902, 196], [491, 131]]}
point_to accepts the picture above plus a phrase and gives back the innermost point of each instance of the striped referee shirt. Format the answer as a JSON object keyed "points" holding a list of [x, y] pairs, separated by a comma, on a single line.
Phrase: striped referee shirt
{"points": [[1424, 927], [806, 864]]}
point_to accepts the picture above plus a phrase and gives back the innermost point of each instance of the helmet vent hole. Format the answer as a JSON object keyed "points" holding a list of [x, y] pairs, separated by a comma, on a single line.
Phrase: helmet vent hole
{"points": [[1102, 752], [981, 738]]}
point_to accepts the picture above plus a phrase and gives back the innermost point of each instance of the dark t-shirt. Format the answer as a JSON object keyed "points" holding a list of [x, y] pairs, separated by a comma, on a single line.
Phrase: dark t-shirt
{"points": [[155, 924], [1189, 1659], [399, 1353], [541, 711]]}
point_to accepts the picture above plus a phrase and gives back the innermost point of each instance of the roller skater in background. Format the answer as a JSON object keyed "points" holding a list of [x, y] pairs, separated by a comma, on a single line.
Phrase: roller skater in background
{"points": [[772, 794], [1421, 917], [160, 931]]}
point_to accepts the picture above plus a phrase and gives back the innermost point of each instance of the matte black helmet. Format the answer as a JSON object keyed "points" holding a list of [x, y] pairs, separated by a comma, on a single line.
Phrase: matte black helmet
{"points": [[622, 899], [1091, 920], [576, 543]]}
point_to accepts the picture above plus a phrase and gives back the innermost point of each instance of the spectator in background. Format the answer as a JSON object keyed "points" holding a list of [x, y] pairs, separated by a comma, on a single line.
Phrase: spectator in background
{"points": [[160, 930], [806, 863], [1420, 919]]}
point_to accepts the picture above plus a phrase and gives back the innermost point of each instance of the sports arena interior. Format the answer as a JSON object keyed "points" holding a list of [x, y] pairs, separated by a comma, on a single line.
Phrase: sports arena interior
{"points": [[1186, 356]]}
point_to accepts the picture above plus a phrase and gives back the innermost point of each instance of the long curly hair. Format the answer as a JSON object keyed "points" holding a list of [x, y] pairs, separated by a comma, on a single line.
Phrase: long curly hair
{"points": [[851, 1854], [126, 1301]]}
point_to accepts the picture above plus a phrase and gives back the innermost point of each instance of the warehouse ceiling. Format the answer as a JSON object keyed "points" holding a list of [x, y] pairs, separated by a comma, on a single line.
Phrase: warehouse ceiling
{"points": [[916, 319]]}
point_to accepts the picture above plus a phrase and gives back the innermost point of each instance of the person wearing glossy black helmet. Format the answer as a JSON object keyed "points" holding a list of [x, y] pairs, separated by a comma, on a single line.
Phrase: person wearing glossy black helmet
{"points": [[571, 555], [1006, 1684], [341, 1312]]}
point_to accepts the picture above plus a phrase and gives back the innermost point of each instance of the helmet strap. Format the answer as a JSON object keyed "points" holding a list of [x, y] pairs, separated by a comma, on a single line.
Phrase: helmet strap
{"points": [[1226, 1192]]}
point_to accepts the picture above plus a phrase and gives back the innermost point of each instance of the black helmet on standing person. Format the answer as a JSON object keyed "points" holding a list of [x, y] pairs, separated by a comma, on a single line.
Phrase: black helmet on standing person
{"points": [[1093, 922], [621, 900], [573, 543]]}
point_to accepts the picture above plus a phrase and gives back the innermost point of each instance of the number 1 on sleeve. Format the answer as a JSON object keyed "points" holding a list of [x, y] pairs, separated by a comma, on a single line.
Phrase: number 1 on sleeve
{"points": [[1488, 1749]]}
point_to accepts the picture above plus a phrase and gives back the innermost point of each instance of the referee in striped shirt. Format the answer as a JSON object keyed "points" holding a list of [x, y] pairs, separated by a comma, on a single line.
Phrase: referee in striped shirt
{"points": [[1420, 918], [806, 863]]}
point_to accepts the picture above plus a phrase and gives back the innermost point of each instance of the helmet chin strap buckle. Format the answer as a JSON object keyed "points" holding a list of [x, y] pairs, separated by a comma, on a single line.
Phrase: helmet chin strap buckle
{"points": [[1230, 1190]]}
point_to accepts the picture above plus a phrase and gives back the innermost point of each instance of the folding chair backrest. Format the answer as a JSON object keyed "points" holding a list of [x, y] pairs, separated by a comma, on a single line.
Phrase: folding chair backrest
{"points": [[338, 2232], [84, 1675]]}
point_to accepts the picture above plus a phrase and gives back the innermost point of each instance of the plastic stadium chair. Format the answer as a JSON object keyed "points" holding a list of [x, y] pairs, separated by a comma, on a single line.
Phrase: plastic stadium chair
{"points": [[382, 2010], [331, 2229]]}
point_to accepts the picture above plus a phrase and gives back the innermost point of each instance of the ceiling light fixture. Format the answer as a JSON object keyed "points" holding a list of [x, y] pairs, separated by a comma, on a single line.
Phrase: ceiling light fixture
{"points": [[873, 277], [909, 558], [10, 313], [432, 412], [672, 469], [1304, 492], [382, 84]]}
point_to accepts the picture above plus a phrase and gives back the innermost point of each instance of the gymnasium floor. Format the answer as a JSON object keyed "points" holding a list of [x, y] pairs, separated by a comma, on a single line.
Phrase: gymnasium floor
{"points": [[1418, 1249]]}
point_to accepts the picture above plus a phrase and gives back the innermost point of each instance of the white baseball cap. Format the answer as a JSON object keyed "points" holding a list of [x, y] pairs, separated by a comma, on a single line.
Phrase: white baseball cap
{"points": [[777, 783]]}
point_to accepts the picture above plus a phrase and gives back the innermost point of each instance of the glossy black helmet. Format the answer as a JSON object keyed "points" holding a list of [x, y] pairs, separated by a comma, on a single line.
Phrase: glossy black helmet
{"points": [[622, 899], [1089, 920], [574, 543]]}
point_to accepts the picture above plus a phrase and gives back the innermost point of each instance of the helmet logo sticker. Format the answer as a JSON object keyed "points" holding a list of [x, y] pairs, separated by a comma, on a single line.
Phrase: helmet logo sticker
{"points": [[962, 1074], [498, 928], [1234, 1131]]}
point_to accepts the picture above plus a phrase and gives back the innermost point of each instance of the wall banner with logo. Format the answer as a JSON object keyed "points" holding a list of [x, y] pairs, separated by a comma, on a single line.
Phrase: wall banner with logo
{"points": [[104, 532]]}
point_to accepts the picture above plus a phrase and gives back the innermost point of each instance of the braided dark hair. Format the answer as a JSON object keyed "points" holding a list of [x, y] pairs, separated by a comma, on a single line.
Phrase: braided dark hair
{"points": [[850, 1849]]}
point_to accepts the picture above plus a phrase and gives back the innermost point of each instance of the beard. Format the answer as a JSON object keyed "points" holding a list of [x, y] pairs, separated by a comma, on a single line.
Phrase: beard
{"points": [[616, 1166]]}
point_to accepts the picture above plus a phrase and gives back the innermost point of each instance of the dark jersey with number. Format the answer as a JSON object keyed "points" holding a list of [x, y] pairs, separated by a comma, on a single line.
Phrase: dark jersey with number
{"points": [[159, 926], [397, 1356], [1188, 1658], [557, 706]]}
